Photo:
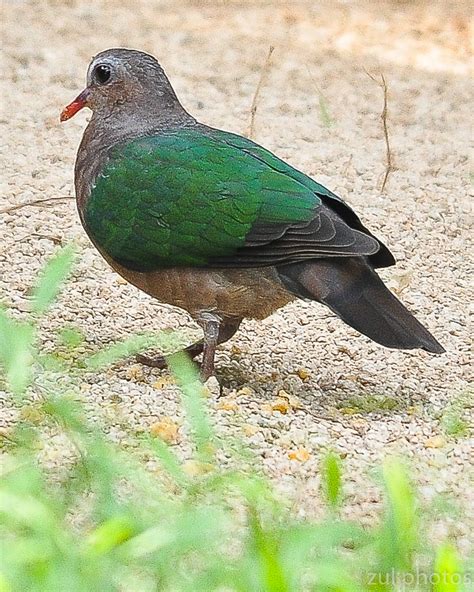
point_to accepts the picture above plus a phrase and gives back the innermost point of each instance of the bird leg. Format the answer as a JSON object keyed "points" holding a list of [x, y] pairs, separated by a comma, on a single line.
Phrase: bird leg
{"points": [[227, 329], [210, 325]]}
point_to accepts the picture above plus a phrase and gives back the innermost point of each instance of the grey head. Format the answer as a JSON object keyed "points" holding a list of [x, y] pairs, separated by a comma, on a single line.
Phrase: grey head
{"points": [[130, 97], [128, 89]]}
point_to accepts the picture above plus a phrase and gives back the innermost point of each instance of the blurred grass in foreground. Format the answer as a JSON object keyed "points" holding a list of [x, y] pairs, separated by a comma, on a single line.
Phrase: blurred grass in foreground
{"points": [[102, 520]]}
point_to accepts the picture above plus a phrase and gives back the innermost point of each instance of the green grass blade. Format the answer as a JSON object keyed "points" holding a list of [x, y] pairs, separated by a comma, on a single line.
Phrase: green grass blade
{"points": [[51, 277], [117, 351], [193, 401], [168, 460], [16, 353], [110, 534], [447, 576], [272, 575], [324, 111], [399, 534], [331, 479]]}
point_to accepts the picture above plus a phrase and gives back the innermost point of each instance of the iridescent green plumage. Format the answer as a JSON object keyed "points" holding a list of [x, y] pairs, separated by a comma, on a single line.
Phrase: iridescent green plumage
{"points": [[184, 198], [194, 197]]}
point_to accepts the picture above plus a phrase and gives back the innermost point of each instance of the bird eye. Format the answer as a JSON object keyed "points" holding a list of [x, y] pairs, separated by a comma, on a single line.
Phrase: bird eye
{"points": [[102, 73]]}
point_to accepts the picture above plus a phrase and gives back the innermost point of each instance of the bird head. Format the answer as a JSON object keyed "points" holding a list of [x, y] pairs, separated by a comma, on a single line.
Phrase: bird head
{"points": [[121, 80]]}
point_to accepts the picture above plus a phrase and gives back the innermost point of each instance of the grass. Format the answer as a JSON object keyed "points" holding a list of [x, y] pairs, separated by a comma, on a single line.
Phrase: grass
{"points": [[369, 404], [453, 419], [103, 520]]}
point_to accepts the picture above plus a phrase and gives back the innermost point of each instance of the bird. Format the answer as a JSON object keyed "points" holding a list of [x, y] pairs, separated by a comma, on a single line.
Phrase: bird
{"points": [[213, 223]]}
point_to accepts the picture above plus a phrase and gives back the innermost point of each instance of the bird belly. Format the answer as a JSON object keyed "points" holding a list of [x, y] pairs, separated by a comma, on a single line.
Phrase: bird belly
{"points": [[230, 293]]}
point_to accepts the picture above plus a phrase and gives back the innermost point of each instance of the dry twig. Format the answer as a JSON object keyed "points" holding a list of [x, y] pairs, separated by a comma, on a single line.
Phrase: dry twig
{"points": [[263, 78], [389, 167], [35, 202]]}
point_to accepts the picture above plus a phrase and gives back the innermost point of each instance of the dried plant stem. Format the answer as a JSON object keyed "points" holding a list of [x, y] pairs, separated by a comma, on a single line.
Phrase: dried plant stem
{"points": [[389, 166], [35, 203], [262, 80]]}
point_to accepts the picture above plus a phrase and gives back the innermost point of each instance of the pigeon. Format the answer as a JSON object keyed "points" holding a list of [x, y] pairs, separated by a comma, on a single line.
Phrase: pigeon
{"points": [[213, 223]]}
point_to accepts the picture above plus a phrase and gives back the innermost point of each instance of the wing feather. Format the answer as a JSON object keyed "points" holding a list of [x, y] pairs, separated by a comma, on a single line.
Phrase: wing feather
{"points": [[203, 198]]}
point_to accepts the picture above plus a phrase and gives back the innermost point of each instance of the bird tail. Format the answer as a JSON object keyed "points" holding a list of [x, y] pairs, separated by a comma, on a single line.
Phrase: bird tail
{"points": [[353, 290]]}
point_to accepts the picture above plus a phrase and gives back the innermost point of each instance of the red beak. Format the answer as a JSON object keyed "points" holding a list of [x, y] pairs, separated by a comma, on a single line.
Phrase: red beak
{"points": [[79, 102]]}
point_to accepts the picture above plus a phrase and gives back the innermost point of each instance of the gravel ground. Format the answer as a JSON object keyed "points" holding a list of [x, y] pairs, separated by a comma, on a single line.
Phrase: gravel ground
{"points": [[300, 381]]}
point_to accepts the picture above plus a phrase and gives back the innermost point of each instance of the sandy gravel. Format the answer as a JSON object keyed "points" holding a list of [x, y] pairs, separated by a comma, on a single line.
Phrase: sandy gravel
{"points": [[332, 376]]}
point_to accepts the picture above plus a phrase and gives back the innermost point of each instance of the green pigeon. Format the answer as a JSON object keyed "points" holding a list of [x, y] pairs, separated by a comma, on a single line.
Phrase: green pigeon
{"points": [[215, 224]]}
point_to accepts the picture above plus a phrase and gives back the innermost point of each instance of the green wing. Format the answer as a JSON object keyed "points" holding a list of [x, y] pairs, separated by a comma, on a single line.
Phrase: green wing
{"points": [[331, 202], [208, 198]]}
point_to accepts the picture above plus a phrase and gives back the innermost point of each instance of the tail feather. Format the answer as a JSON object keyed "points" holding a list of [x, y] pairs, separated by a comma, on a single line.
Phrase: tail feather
{"points": [[353, 290]]}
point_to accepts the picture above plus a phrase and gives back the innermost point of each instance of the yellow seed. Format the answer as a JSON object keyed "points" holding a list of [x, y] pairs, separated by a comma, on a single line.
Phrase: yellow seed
{"points": [[245, 391], [227, 405], [293, 402], [282, 406], [165, 429], [250, 429], [301, 455], [135, 372], [435, 442], [163, 382], [303, 373]]}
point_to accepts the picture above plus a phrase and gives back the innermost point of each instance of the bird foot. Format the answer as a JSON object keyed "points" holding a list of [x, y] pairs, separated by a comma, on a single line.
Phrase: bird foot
{"points": [[158, 362], [192, 350], [209, 380]]}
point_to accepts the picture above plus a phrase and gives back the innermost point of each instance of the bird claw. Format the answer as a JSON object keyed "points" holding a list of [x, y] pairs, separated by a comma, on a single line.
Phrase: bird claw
{"points": [[213, 386], [158, 362]]}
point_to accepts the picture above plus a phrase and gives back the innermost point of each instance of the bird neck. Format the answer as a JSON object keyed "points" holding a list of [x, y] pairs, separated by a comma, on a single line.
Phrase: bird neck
{"points": [[133, 120]]}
